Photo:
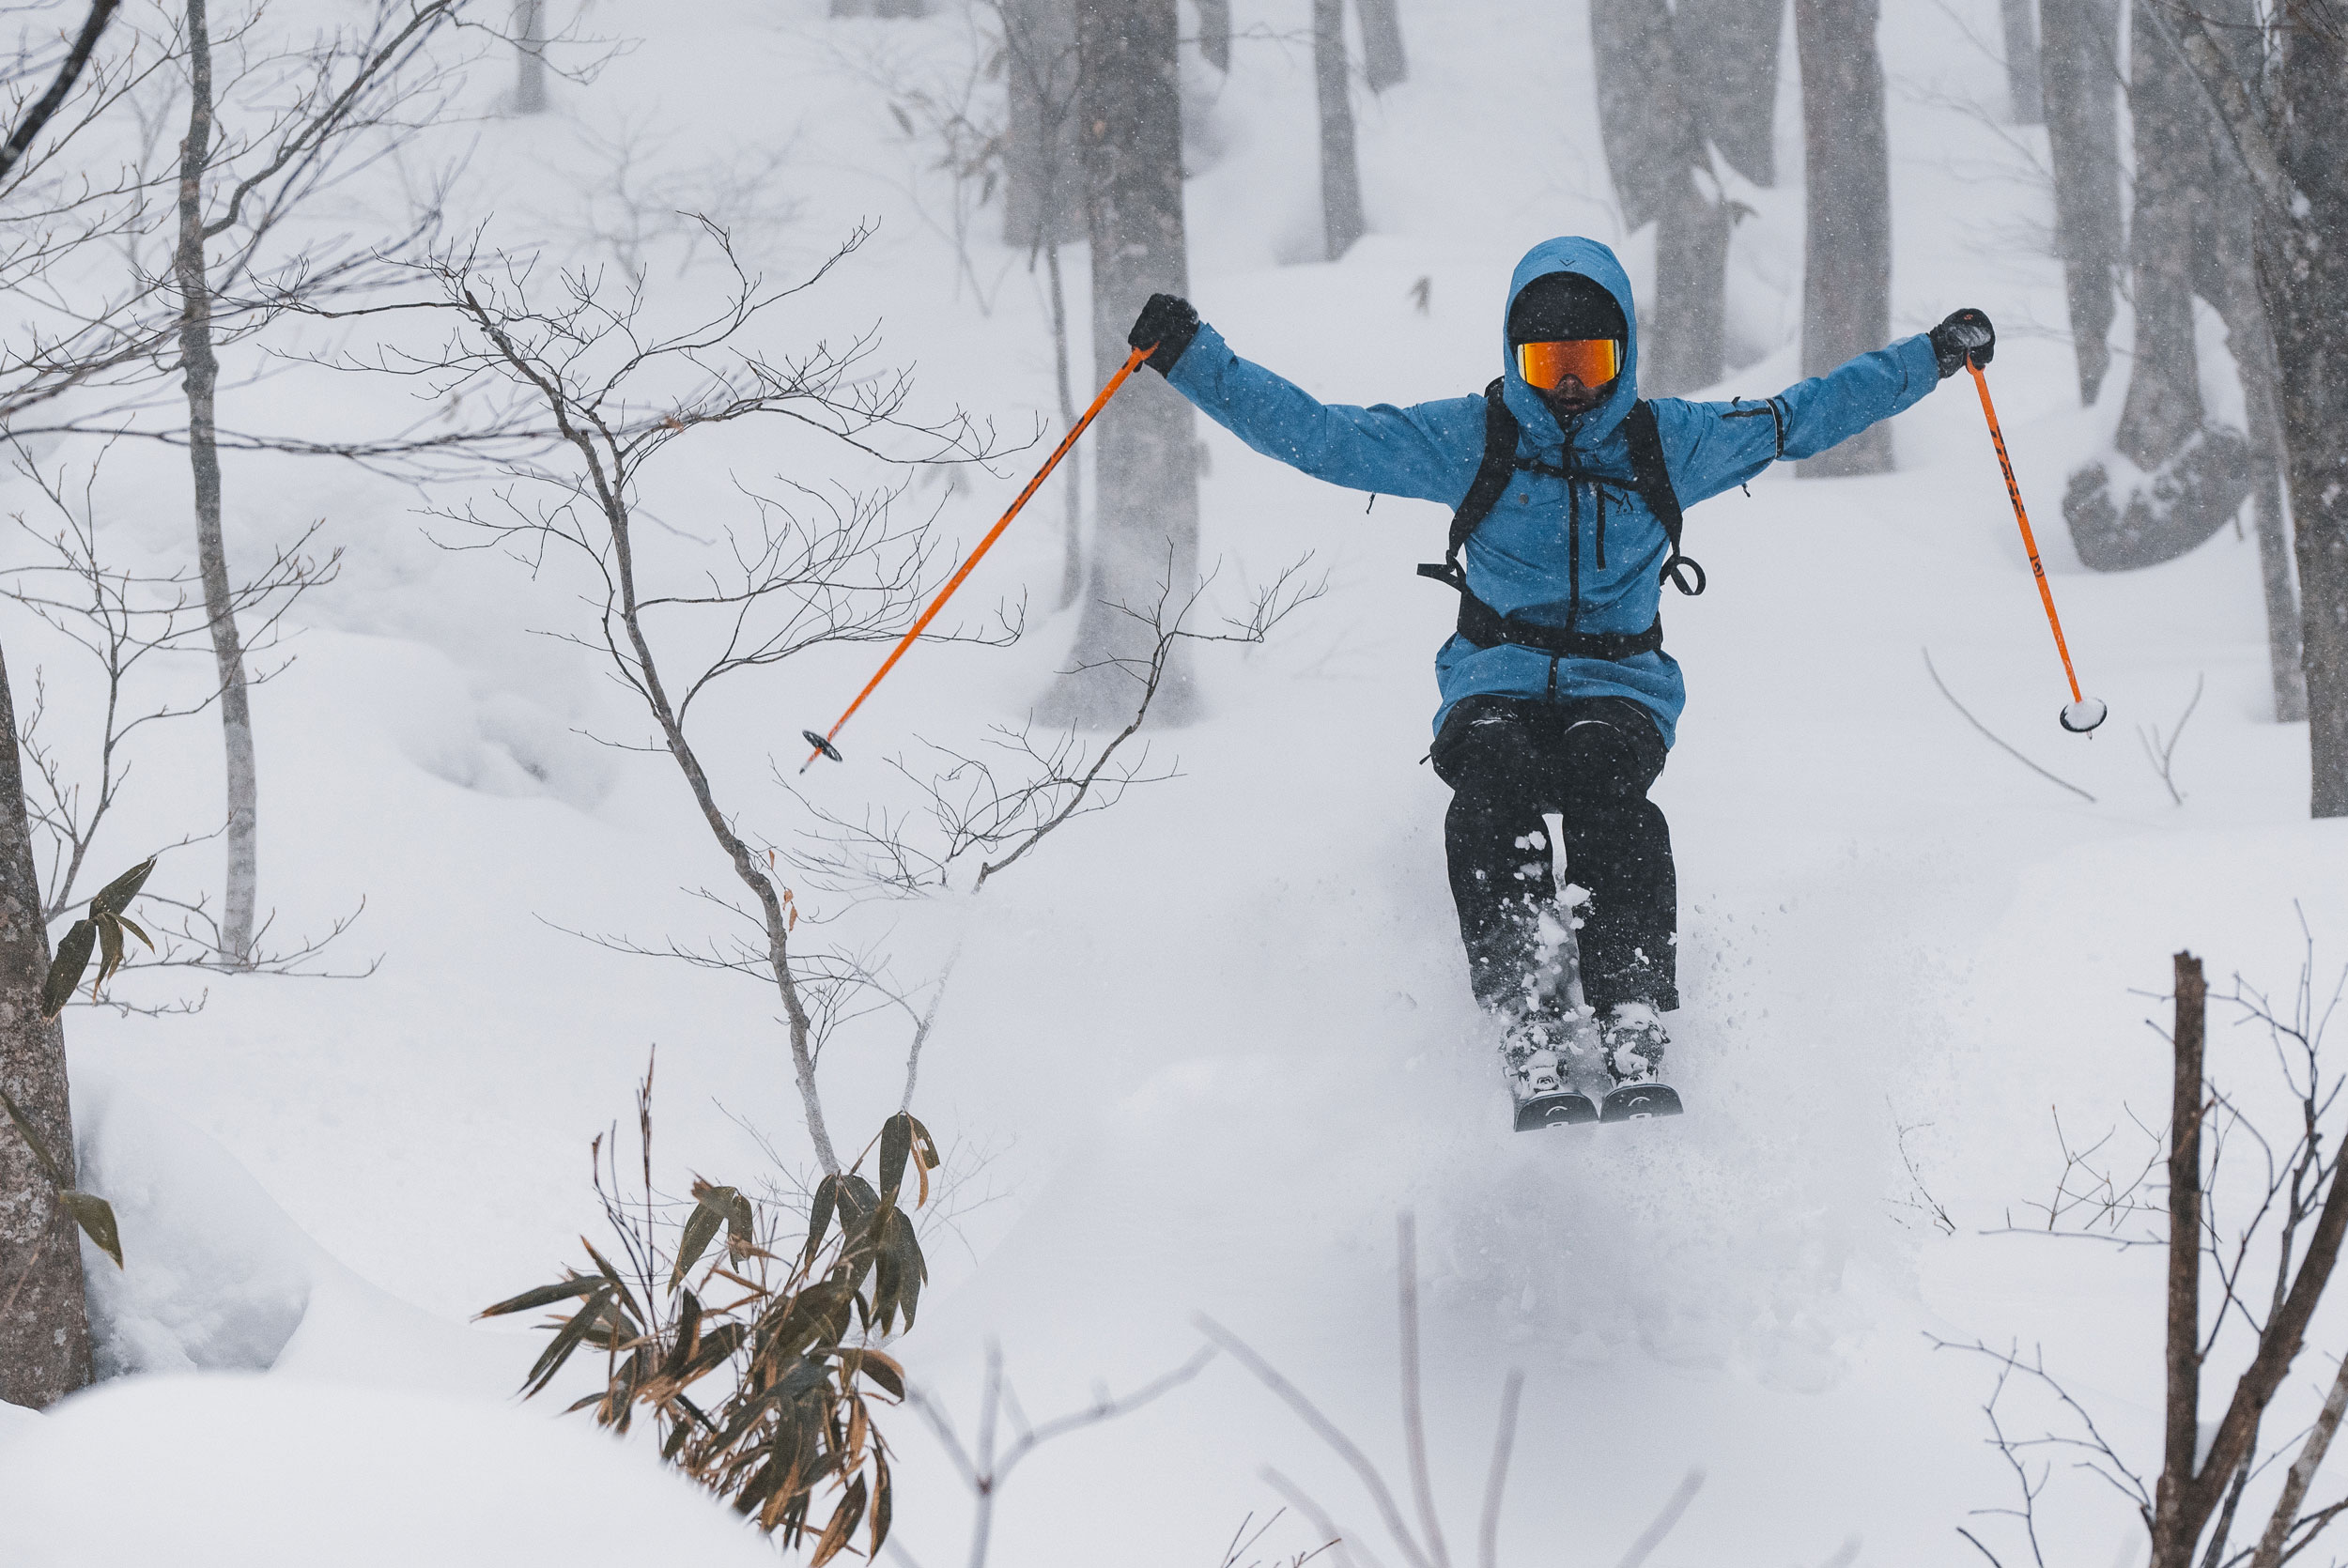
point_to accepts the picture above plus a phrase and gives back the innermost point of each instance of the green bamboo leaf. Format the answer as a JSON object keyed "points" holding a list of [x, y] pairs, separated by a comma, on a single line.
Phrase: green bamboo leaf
{"points": [[896, 1143], [566, 1339], [741, 1226], [108, 950], [883, 1511], [545, 1294], [881, 1369], [116, 895], [65, 970], [713, 1207], [96, 1217], [133, 926], [32, 1140], [819, 1215]]}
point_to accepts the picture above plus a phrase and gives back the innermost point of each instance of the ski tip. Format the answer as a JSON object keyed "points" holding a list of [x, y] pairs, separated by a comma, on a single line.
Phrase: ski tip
{"points": [[1567, 1109], [1635, 1102]]}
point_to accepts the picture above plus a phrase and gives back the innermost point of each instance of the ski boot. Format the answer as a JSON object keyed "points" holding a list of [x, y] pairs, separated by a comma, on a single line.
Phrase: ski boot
{"points": [[1634, 1039], [1538, 1056]]}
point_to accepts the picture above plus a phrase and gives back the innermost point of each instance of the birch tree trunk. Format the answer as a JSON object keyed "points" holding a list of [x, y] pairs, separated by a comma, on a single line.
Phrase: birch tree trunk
{"points": [[1129, 135], [44, 1324], [1846, 256], [2022, 78], [2078, 63], [1341, 164], [530, 40], [201, 369], [1384, 63]]}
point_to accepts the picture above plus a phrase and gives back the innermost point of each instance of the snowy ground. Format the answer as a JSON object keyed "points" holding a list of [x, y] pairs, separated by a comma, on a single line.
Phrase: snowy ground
{"points": [[1199, 1053]]}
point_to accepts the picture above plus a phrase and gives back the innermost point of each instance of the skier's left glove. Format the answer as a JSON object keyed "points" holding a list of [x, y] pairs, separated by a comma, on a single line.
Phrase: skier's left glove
{"points": [[1169, 322], [1966, 332]]}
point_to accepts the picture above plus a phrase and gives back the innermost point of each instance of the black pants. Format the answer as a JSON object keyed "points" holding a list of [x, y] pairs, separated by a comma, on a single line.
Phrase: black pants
{"points": [[1510, 760]]}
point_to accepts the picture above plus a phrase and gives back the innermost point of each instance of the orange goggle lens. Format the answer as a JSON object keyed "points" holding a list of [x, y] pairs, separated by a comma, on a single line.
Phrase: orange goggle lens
{"points": [[1592, 361]]}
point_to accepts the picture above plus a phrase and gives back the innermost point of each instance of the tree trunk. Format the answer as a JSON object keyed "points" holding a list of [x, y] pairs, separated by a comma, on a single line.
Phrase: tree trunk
{"points": [[2079, 66], [1340, 164], [1847, 255], [1040, 199], [2303, 276], [1684, 339], [2170, 228], [44, 1323], [2021, 62], [1071, 486], [1383, 60], [202, 372], [1727, 54], [2176, 1523], [530, 41], [1146, 455]]}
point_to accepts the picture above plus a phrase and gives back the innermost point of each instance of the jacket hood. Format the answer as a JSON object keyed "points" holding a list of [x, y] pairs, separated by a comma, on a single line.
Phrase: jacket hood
{"points": [[1593, 261]]}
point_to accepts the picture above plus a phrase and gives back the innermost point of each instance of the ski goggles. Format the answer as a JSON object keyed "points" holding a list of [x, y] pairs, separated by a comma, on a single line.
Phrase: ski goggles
{"points": [[1592, 361]]}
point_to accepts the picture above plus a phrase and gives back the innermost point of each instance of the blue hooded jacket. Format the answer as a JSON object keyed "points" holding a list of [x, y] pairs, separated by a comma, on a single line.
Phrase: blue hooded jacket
{"points": [[1542, 547]]}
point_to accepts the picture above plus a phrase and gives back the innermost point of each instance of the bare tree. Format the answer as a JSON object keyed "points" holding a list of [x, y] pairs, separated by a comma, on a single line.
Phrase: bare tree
{"points": [[2078, 62], [530, 57], [1420, 1540], [344, 85], [2021, 62], [1846, 253], [1341, 221], [1384, 64], [2251, 1215], [44, 1326], [1145, 465], [1043, 204], [2288, 124], [43, 109], [807, 567], [987, 1461]]}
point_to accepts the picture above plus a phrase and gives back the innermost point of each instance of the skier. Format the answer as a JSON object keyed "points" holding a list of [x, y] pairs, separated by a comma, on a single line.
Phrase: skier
{"points": [[1557, 696]]}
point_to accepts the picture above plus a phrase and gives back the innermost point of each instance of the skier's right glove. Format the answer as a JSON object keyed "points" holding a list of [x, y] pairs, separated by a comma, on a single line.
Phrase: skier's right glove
{"points": [[1966, 332], [1168, 321]]}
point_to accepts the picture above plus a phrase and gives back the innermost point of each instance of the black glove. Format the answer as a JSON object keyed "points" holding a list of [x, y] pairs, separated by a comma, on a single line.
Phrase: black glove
{"points": [[1168, 321], [1965, 331]]}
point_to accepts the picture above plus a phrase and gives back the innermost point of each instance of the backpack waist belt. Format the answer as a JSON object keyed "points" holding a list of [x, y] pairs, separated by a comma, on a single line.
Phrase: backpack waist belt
{"points": [[1486, 628]]}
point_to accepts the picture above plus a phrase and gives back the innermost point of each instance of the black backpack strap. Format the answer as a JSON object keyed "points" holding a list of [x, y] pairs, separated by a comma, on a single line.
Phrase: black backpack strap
{"points": [[1491, 478], [1654, 482]]}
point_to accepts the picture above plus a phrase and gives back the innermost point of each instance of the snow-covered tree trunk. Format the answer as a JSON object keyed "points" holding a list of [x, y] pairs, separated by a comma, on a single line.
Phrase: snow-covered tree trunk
{"points": [[44, 1325], [1384, 63], [2023, 91], [530, 43], [1129, 136], [1847, 252], [200, 369], [1340, 164], [2078, 63]]}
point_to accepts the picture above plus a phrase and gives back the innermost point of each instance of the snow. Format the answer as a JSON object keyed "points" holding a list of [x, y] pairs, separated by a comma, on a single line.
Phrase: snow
{"points": [[236, 1469], [1198, 1052]]}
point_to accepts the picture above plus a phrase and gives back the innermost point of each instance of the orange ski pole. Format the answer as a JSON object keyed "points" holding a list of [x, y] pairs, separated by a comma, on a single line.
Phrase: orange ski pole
{"points": [[2081, 713], [822, 742]]}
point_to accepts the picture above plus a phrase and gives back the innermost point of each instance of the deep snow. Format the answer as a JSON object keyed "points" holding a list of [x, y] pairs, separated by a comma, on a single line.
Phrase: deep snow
{"points": [[1198, 1052]]}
